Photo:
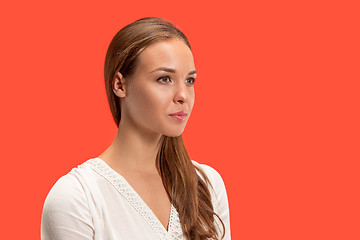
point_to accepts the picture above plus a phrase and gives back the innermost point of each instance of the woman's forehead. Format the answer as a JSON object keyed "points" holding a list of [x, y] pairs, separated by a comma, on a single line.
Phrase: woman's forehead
{"points": [[170, 53]]}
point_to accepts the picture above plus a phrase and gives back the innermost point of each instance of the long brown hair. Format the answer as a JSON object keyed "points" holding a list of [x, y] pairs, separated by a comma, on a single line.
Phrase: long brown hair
{"points": [[188, 192]]}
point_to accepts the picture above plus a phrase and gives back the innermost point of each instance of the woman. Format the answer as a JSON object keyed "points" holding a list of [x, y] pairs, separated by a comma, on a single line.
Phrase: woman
{"points": [[144, 186]]}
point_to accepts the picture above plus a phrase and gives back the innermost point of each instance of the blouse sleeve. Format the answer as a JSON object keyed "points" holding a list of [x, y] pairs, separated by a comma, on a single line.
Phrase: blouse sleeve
{"points": [[66, 213], [220, 199]]}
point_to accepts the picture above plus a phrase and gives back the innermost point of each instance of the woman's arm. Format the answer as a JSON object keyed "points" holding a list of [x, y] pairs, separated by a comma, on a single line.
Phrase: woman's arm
{"points": [[66, 213], [221, 204], [219, 197]]}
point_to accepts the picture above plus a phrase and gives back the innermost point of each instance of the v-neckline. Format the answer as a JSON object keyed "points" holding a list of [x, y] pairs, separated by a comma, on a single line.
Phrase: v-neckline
{"points": [[174, 230]]}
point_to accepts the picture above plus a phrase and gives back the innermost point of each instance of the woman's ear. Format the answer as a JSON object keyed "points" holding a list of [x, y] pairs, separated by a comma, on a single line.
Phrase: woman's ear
{"points": [[119, 85]]}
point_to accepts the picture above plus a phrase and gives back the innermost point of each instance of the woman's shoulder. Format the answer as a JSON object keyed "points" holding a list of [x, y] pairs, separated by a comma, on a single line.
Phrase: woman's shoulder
{"points": [[212, 174], [69, 186], [215, 179]]}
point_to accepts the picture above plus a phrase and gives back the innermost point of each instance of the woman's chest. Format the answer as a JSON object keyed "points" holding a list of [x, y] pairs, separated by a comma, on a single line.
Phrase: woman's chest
{"points": [[120, 212]]}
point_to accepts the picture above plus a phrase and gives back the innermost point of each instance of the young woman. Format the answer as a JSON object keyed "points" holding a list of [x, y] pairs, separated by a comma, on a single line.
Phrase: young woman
{"points": [[144, 186]]}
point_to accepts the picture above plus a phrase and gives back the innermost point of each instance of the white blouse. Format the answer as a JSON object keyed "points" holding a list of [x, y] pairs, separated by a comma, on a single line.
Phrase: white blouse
{"points": [[93, 201]]}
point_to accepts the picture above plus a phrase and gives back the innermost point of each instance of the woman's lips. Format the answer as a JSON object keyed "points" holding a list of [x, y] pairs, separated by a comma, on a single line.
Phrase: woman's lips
{"points": [[180, 116]]}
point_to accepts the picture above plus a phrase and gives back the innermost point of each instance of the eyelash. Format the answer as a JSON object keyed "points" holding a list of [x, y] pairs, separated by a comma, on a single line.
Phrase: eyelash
{"points": [[192, 80], [168, 78], [163, 77]]}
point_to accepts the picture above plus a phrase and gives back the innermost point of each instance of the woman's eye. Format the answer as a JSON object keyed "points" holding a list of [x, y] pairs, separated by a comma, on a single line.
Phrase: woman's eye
{"points": [[190, 80], [163, 79]]}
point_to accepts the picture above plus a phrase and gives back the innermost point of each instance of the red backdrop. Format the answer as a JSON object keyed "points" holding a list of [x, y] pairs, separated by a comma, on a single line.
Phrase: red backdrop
{"points": [[276, 110]]}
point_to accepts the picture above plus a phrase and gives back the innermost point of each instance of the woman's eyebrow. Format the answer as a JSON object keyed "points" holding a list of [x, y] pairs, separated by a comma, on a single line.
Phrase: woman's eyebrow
{"points": [[171, 70], [165, 69]]}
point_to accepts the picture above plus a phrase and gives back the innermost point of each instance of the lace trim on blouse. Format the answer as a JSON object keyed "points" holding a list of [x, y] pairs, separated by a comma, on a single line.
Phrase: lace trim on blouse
{"points": [[119, 182]]}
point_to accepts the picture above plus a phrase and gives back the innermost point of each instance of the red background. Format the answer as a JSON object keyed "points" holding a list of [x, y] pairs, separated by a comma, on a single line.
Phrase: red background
{"points": [[276, 110]]}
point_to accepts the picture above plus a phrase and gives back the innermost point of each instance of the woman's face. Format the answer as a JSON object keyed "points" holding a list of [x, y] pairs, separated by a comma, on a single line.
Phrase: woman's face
{"points": [[161, 85]]}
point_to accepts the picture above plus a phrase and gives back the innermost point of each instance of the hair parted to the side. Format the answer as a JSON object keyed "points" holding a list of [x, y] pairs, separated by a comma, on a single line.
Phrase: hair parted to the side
{"points": [[188, 191]]}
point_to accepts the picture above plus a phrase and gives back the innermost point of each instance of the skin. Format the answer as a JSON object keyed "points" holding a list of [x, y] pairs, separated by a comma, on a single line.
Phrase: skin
{"points": [[147, 97]]}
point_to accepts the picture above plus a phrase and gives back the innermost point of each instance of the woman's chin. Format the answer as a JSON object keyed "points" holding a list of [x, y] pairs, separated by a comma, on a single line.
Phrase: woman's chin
{"points": [[174, 133]]}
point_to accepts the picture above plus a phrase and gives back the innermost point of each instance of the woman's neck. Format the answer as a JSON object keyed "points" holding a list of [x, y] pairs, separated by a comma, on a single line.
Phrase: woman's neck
{"points": [[132, 149]]}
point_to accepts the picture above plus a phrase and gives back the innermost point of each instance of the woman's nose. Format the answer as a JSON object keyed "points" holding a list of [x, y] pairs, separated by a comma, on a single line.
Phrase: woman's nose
{"points": [[181, 93]]}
